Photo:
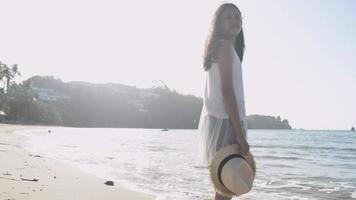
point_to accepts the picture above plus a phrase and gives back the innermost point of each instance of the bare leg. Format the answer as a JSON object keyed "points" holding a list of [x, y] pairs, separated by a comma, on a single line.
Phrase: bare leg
{"points": [[219, 197]]}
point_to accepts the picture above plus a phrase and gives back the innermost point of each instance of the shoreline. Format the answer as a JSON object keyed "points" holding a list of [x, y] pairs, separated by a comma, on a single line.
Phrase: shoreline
{"points": [[33, 177]]}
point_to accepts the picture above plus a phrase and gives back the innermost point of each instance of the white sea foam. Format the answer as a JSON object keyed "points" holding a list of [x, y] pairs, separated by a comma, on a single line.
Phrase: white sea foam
{"points": [[161, 163], [353, 195]]}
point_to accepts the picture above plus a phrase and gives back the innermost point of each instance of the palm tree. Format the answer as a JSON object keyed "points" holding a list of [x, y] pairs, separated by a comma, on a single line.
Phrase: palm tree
{"points": [[2, 72], [8, 73], [163, 85], [11, 75], [2, 92], [2, 66]]}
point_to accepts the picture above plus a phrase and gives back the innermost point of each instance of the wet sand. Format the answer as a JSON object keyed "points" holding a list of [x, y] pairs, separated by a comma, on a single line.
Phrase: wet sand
{"points": [[24, 176]]}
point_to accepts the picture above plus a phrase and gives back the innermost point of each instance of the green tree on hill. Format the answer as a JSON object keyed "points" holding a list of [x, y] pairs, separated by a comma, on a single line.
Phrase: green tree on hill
{"points": [[7, 74]]}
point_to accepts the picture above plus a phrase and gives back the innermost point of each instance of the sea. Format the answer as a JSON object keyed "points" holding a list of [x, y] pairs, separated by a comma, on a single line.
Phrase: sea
{"points": [[291, 164]]}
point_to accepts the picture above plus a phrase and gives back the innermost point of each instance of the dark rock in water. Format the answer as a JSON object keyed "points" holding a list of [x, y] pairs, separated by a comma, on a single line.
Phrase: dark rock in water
{"points": [[352, 128], [37, 156], [25, 179], [111, 183]]}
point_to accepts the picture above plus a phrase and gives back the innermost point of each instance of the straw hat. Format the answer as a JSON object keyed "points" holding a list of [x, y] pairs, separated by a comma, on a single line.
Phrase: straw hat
{"points": [[231, 173]]}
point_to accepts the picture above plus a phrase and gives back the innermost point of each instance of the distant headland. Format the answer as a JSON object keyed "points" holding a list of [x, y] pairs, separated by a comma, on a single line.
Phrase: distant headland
{"points": [[267, 122]]}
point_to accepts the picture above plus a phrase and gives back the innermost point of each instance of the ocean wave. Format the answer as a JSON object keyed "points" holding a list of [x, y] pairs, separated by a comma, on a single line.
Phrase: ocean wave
{"points": [[162, 165], [280, 157], [353, 195], [303, 147]]}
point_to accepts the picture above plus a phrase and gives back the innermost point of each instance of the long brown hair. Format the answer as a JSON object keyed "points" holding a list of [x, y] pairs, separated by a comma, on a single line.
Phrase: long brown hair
{"points": [[215, 35]]}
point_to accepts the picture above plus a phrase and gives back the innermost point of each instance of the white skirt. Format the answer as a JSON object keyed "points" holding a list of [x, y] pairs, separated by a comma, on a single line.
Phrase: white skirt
{"points": [[213, 134]]}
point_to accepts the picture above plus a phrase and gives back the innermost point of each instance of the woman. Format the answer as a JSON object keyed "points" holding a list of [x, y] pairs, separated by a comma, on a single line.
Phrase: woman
{"points": [[222, 120]]}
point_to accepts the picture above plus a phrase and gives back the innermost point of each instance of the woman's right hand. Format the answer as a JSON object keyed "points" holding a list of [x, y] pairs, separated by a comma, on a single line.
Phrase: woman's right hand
{"points": [[241, 140], [244, 147]]}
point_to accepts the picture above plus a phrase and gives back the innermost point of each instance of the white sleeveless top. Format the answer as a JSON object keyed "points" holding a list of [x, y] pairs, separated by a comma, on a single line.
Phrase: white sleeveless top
{"points": [[213, 99]]}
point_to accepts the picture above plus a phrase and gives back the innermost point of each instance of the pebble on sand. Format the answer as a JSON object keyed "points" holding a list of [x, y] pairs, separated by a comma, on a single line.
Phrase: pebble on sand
{"points": [[111, 183]]}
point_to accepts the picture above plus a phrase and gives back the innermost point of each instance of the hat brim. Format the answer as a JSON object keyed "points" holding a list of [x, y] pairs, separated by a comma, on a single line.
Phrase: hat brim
{"points": [[214, 165]]}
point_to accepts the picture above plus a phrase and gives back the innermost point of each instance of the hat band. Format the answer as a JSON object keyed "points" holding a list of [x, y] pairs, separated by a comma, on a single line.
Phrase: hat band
{"points": [[223, 162]]}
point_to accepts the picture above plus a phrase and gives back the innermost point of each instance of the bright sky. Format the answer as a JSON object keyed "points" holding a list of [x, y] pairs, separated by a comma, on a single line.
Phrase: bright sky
{"points": [[299, 62]]}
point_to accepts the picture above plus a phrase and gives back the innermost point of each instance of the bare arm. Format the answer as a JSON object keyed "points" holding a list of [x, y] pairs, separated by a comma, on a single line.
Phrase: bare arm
{"points": [[225, 61]]}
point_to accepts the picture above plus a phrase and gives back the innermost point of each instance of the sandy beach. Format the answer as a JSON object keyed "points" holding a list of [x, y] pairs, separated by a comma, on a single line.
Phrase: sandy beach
{"points": [[24, 176]]}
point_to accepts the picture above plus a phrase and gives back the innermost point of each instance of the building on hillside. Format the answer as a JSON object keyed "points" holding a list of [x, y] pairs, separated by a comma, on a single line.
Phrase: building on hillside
{"points": [[46, 94], [147, 93], [138, 104]]}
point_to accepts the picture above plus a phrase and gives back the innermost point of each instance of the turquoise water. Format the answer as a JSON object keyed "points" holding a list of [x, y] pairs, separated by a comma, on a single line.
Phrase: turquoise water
{"points": [[291, 164]]}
